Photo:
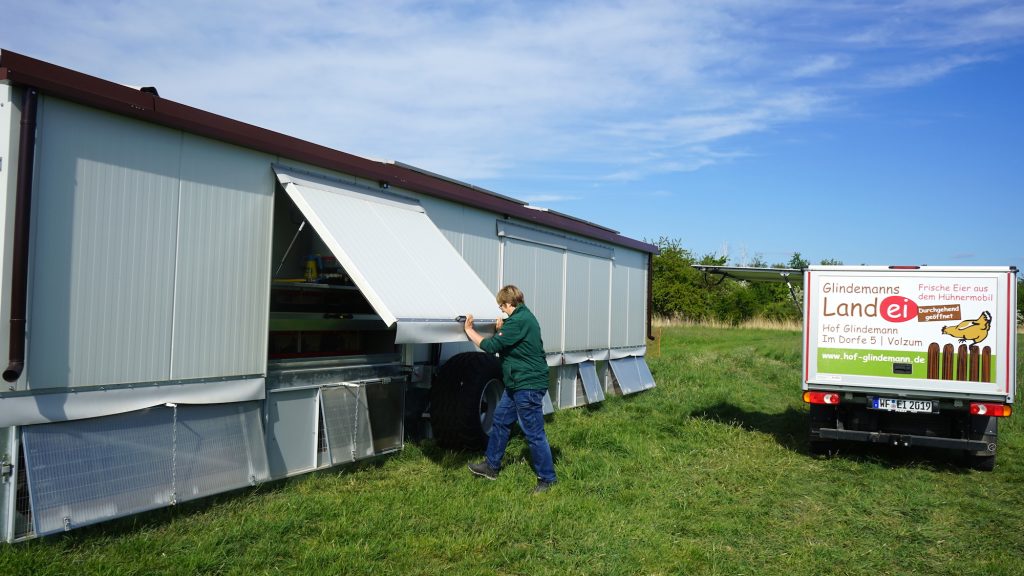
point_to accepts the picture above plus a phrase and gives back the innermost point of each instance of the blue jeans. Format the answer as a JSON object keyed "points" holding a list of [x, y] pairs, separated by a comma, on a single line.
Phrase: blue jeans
{"points": [[526, 406]]}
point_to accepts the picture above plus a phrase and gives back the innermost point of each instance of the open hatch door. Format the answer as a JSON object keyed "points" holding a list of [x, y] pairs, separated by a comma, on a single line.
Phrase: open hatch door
{"points": [[403, 265]]}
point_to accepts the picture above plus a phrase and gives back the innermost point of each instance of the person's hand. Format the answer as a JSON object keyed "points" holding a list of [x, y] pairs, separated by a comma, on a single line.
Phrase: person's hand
{"points": [[469, 322], [499, 323]]}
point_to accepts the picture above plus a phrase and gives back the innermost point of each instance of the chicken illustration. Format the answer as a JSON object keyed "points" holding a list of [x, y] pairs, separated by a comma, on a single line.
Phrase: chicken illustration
{"points": [[975, 330]]}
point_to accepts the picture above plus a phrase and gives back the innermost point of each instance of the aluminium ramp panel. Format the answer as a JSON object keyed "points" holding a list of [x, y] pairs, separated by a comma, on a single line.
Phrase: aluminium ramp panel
{"points": [[632, 374], [566, 381], [397, 257], [591, 383], [86, 471], [578, 385], [291, 434], [548, 406], [385, 401]]}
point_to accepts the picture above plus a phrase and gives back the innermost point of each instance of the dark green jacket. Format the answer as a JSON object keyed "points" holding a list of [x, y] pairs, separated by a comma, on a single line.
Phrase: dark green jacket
{"points": [[523, 363]]}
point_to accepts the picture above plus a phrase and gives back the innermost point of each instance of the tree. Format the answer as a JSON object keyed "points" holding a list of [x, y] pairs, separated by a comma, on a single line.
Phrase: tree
{"points": [[672, 274], [796, 261], [1020, 301]]}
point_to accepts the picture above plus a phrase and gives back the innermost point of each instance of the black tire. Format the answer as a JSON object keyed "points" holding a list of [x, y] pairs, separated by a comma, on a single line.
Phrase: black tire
{"points": [[463, 398]]}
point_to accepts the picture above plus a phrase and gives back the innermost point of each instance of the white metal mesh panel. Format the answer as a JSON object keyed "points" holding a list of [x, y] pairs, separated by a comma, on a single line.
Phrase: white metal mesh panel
{"points": [[591, 385], [87, 471], [218, 447], [347, 421]]}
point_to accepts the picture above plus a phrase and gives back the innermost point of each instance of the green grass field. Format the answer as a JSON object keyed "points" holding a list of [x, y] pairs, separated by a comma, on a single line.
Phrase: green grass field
{"points": [[706, 474]]}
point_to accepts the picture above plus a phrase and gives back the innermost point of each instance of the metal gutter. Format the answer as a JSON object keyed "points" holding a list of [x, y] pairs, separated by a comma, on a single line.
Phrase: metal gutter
{"points": [[110, 96], [22, 220]]}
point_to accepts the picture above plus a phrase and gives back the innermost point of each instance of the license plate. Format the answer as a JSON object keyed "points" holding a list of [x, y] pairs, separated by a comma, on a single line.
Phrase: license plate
{"points": [[903, 405]]}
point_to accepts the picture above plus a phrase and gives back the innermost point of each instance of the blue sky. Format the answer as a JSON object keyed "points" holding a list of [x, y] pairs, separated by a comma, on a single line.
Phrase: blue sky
{"points": [[886, 132]]}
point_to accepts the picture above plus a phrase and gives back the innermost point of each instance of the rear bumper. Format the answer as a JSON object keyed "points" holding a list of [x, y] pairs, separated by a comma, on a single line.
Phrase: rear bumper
{"points": [[906, 440]]}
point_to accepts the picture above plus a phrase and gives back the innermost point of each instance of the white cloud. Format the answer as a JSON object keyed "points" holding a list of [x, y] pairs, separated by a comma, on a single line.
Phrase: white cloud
{"points": [[820, 65], [917, 73], [476, 91]]}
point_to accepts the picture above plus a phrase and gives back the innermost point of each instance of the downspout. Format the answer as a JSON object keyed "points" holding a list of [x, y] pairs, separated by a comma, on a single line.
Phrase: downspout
{"points": [[22, 211], [650, 295]]}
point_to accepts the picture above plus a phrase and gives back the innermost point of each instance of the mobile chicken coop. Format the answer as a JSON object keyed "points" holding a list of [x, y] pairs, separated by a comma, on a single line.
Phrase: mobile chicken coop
{"points": [[197, 304]]}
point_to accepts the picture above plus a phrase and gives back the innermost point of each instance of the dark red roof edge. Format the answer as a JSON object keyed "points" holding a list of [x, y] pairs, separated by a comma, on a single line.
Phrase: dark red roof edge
{"points": [[120, 99]]}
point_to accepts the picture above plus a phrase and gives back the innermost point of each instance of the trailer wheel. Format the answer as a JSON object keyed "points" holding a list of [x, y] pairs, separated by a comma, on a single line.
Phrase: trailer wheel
{"points": [[463, 398]]}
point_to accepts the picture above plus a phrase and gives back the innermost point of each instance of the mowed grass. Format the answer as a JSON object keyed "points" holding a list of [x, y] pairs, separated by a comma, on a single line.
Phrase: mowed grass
{"points": [[706, 474]]}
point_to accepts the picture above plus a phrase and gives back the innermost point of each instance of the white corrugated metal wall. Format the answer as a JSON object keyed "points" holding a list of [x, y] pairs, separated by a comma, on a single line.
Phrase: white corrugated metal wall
{"points": [[539, 272], [102, 271], [604, 299], [221, 293], [472, 233], [588, 290], [629, 297], [112, 288]]}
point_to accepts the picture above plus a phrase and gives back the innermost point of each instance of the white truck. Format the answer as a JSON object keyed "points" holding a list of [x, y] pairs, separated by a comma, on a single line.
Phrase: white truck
{"points": [[913, 356]]}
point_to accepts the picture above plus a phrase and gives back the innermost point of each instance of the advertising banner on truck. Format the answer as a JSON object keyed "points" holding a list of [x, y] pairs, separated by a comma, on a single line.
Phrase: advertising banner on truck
{"points": [[919, 329]]}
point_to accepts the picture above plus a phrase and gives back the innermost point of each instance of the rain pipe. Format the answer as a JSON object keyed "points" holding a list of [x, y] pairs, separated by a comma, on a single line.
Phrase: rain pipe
{"points": [[650, 295], [22, 211]]}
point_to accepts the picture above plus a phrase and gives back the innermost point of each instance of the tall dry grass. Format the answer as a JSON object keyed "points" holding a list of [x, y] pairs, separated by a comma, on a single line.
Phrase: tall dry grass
{"points": [[753, 324]]}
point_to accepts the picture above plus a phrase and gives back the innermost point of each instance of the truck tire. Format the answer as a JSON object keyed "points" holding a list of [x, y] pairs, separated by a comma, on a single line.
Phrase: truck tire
{"points": [[463, 398]]}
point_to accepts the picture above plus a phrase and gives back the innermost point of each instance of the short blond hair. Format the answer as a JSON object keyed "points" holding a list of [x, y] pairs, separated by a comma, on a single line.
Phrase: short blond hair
{"points": [[510, 295]]}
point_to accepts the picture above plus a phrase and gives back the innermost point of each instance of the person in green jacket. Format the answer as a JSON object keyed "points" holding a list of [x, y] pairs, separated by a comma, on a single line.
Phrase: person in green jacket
{"points": [[524, 370]]}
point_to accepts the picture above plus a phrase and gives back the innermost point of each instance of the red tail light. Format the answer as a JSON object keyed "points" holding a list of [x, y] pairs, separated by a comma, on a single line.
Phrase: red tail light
{"points": [[821, 398], [997, 410]]}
